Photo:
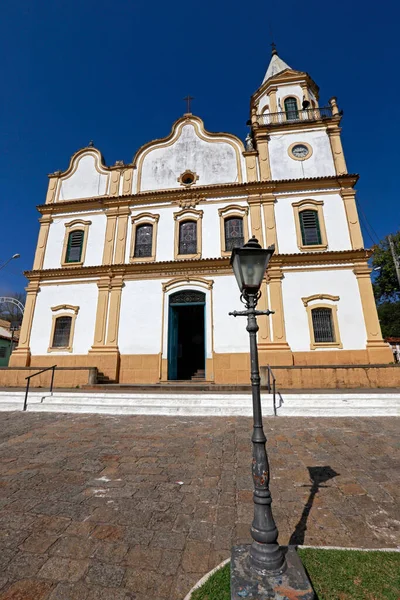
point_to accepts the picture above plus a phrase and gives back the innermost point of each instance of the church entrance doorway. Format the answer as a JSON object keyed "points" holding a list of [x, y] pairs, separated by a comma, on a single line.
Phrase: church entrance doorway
{"points": [[186, 337]]}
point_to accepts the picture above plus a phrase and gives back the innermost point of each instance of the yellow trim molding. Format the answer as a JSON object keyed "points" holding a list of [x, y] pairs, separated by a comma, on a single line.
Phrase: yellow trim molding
{"points": [[75, 225], [120, 244], [232, 210], [182, 281], [45, 223], [188, 215], [63, 310], [145, 218], [314, 297], [315, 205], [309, 148], [349, 200], [317, 298], [333, 132]]}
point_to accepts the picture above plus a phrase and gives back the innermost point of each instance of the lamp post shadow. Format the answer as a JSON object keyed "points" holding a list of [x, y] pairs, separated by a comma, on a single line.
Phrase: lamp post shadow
{"points": [[318, 476]]}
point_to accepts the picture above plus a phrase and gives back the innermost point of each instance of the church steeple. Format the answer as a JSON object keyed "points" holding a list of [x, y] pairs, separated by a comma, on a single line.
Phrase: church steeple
{"points": [[276, 65]]}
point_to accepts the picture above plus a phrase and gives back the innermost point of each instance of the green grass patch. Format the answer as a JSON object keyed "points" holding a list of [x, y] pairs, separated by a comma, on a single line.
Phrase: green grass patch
{"points": [[335, 575]]}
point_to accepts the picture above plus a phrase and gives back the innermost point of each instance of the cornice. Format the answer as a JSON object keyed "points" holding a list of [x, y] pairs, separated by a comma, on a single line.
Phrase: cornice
{"points": [[197, 265], [201, 192]]}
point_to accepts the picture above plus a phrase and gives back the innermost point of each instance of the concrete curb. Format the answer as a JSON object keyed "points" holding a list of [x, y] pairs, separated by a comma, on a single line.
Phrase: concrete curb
{"points": [[204, 579], [210, 573]]}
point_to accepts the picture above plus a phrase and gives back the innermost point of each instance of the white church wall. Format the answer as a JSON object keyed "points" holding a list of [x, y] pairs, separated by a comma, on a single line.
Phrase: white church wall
{"points": [[213, 161], [337, 230], [140, 317], [95, 241], [319, 164], [230, 333], [337, 282], [86, 181], [82, 295]]}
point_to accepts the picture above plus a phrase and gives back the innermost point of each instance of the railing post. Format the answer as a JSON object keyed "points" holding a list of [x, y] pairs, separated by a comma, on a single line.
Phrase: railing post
{"points": [[52, 379], [26, 393], [274, 394]]}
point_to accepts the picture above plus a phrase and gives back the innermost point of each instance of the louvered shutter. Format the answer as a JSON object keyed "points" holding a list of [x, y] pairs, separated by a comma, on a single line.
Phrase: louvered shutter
{"points": [[310, 230], [75, 245]]}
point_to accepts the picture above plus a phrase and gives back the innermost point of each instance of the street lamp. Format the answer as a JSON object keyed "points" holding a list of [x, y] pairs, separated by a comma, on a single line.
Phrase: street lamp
{"points": [[7, 261], [264, 569]]}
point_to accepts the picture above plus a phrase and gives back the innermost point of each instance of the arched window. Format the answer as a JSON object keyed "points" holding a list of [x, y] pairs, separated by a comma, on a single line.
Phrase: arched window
{"points": [[62, 332], [143, 240], [310, 229], [74, 246], [291, 108], [188, 237], [233, 233], [322, 322]]}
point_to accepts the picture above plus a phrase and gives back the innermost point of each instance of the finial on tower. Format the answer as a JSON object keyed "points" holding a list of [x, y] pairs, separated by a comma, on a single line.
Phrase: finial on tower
{"points": [[90, 144], [274, 50]]}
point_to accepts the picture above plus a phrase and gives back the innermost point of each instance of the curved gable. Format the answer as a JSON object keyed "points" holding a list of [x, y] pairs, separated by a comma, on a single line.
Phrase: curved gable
{"points": [[212, 157], [85, 177]]}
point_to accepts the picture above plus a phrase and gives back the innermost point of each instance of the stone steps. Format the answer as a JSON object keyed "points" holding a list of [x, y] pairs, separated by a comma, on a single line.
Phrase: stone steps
{"points": [[202, 404]]}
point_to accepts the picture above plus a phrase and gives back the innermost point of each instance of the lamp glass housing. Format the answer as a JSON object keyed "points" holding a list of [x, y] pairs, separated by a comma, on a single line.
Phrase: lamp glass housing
{"points": [[249, 264]]}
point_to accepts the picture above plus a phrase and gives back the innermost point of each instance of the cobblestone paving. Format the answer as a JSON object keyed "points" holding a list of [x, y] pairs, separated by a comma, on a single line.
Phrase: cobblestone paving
{"points": [[93, 507]]}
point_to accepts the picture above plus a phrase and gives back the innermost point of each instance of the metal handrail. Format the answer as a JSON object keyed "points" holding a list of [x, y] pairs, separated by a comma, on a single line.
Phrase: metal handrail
{"points": [[269, 377], [295, 115], [53, 368]]}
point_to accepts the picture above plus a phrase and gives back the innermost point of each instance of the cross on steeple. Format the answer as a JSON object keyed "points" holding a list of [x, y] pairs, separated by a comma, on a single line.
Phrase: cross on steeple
{"points": [[188, 100]]}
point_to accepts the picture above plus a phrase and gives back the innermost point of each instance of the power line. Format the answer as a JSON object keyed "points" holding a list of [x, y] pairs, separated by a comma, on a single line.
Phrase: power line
{"points": [[368, 227]]}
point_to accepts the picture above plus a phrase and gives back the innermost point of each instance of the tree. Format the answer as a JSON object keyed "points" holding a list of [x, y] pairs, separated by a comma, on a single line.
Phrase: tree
{"points": [[389, 317], [386, 286], [10, 312]]}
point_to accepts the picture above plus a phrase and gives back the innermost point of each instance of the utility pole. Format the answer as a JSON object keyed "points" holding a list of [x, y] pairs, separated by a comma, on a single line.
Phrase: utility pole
{"points": [[396, 258]]}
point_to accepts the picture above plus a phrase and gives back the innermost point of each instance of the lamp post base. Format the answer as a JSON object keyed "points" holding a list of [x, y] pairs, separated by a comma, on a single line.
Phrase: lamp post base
{"points": [[249, 585]]}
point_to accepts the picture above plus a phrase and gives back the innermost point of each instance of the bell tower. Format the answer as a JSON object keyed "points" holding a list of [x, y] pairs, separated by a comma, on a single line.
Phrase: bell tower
{"points": [[295, 137]]}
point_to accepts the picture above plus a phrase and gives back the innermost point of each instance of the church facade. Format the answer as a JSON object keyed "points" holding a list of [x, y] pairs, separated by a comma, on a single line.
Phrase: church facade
{"points": [[131, 273]]}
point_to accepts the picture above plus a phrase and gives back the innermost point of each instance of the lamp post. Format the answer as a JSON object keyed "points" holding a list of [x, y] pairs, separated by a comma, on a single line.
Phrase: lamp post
{"points": [[7, 261], [264, 569]]}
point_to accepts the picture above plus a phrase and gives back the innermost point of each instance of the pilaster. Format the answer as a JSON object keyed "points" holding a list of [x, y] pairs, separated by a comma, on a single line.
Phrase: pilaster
{"points": [[349, 199], [255, 216], [52, 188], [263, 155], [273, 104], [104, 285], [278, 351], [114, 182], [127, 181], [21, 357], [120, 246], [378, 350], [337, 149], [45, 223], [251, 165], [268, 203], [304, 89], [109, 241], [114, 311]]}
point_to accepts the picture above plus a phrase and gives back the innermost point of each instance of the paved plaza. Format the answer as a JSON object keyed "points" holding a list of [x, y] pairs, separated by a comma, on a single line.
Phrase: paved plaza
{"points": [[117, 508]]}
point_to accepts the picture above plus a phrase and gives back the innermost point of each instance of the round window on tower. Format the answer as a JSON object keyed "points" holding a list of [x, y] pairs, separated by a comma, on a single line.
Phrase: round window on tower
{"points": [[300, 151]]}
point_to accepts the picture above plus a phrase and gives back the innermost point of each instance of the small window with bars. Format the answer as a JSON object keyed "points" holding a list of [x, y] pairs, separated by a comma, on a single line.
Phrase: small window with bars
{"points": [[310, 229], [233, 233], [143, 241], [75, 246], [322, 321], [62, 332], [188, 237], [291, 109]]}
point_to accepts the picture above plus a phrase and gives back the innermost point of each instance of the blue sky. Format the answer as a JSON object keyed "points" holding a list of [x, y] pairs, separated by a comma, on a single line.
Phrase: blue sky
{"points": [[116, 72]]}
